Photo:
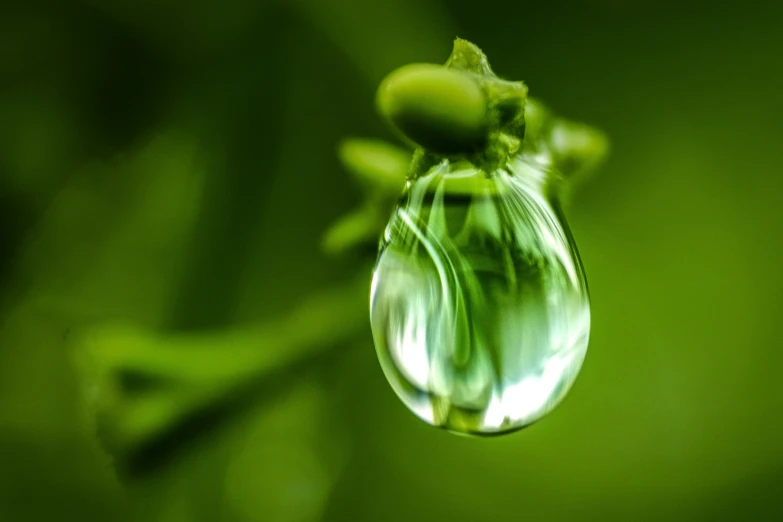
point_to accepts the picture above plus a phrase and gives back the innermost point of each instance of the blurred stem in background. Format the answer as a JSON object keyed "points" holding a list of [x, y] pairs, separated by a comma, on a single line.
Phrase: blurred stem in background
{"points": [[149, 389]]}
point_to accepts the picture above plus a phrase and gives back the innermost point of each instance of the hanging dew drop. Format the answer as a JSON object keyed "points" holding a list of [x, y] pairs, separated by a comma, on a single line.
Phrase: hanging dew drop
{"points": [[479, 308]]}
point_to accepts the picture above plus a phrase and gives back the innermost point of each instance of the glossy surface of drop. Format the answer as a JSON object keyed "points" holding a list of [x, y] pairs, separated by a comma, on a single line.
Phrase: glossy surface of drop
{"points": [[479, 308]]}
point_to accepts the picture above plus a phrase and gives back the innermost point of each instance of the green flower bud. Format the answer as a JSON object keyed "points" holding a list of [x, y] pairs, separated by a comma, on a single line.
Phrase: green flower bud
{"points": [[577, 149], [443, 110]]}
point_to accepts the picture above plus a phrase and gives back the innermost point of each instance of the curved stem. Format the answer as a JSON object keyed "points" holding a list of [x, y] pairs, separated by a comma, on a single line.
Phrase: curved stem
{"points": [[148, 389]]}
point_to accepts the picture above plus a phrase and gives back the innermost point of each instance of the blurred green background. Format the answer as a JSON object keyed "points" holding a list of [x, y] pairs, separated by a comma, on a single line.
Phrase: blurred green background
{"points": [[167, 170]]}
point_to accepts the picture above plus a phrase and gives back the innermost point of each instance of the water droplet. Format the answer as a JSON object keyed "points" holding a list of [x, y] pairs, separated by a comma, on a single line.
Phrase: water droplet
{"points": [[480, 311]]}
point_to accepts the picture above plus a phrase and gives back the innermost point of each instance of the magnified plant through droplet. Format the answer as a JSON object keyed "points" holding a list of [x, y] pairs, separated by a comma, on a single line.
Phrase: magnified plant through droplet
{"points": [[480, 311]]}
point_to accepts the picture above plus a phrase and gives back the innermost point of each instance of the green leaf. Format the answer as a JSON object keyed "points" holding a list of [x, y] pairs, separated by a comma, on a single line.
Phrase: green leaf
{"points": [[360, 228], [376, 164]]}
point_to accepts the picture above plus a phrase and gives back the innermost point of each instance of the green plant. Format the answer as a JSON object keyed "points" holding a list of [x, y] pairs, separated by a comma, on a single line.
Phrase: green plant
{"points": [[145, 387]]}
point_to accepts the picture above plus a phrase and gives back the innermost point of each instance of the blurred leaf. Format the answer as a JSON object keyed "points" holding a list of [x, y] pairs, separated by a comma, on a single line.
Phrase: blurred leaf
{"points": [[357, 229], [376, 164], [381, 168], [577, 149]]}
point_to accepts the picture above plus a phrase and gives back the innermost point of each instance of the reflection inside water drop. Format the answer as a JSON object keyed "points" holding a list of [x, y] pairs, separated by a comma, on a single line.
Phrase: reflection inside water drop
{"points": [[479, 308]]}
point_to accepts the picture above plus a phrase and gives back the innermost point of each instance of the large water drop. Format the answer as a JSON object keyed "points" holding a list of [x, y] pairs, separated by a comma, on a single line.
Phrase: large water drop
{"points": [[480, 310]]}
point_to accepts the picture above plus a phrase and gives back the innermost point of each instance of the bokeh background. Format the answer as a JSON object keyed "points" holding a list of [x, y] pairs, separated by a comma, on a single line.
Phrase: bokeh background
{"points": [[167, 170]]}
